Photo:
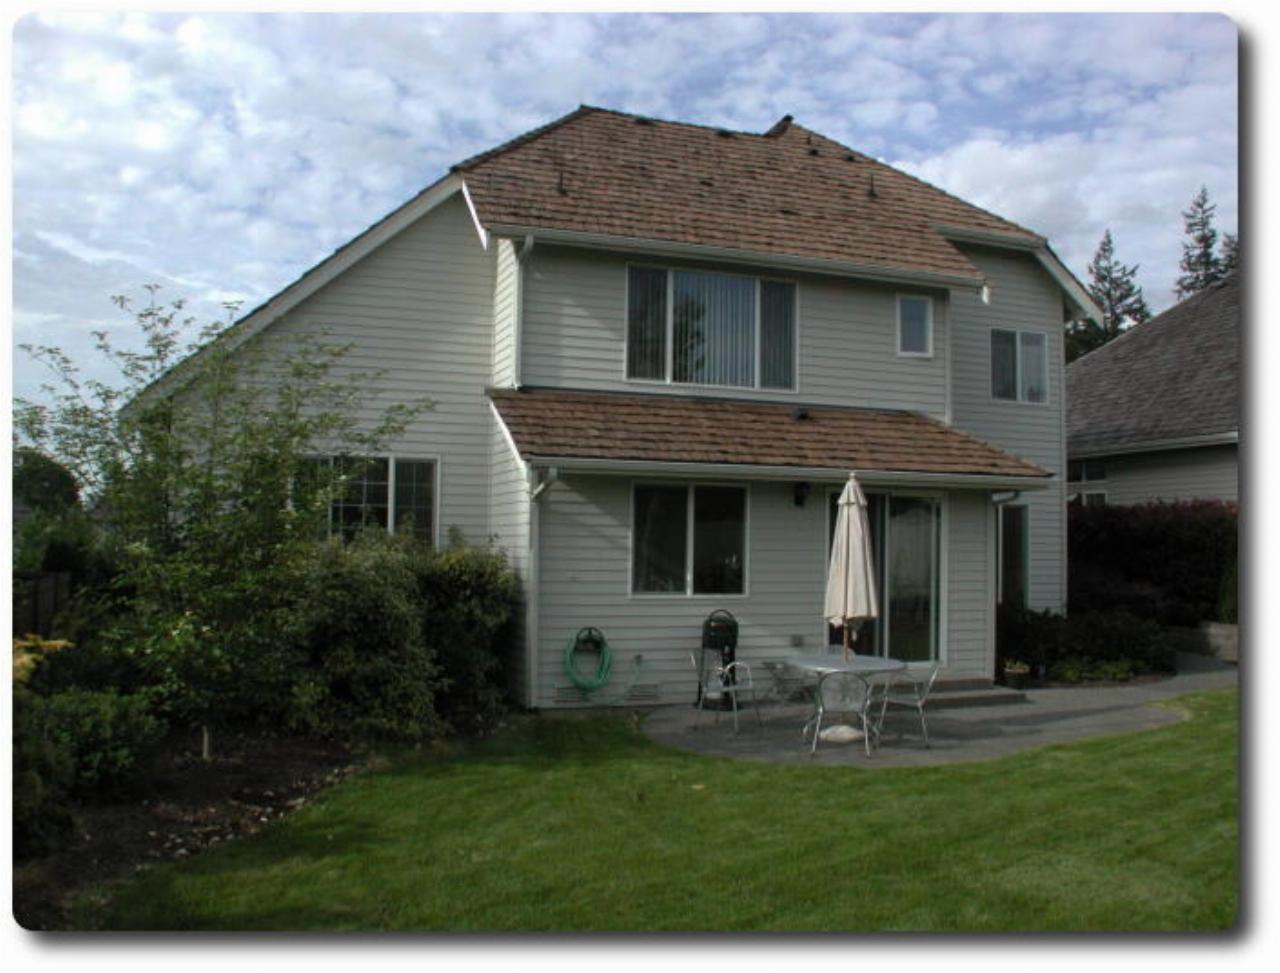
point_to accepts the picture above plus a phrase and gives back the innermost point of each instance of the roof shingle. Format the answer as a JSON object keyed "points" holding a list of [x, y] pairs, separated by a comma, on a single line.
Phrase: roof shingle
{"points": [[1175, 377], [555, 423], [790, 191]]}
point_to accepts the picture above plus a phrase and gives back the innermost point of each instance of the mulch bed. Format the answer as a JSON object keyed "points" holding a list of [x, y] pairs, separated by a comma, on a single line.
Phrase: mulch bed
{"points": [[190, 805]]}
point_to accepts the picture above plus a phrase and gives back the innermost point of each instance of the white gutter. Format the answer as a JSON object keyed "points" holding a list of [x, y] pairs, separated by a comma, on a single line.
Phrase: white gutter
{"points": [[749, 471], [1158, 445], [817, 265]]}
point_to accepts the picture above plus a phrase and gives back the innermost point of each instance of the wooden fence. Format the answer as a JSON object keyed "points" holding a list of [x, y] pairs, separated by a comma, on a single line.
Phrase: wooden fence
{"points": [[37, 598]]}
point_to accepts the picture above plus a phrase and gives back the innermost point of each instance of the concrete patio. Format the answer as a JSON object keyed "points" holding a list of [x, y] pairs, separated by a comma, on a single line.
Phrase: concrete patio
{"points": [[957, 733]]}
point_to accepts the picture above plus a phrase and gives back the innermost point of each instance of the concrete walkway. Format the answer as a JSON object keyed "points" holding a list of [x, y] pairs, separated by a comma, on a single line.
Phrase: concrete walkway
{"points": [[956, 735]]}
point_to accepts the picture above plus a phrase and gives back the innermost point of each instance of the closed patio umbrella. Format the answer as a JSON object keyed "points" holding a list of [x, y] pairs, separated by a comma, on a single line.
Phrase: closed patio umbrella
{"points": [[851, 577]]}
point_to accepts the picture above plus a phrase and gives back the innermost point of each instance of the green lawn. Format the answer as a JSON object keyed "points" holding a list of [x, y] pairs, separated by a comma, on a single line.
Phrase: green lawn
{"points": [[580, 824]]}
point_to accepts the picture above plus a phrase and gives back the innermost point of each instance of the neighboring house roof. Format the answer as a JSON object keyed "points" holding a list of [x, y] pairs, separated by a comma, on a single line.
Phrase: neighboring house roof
{"points": [[789, 191], [1173, 381], [551, 424]]}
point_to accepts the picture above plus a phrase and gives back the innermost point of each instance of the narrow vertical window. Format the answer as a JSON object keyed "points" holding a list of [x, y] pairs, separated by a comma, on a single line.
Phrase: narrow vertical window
{"points": [[1033, 371], [777, 335], [416, 498], [1013, 556], [915, 326], [647, 323], [1004, 364]]}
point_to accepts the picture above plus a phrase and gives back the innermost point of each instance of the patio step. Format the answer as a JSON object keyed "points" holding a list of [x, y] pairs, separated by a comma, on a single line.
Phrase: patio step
{"points": [[944, 697]]}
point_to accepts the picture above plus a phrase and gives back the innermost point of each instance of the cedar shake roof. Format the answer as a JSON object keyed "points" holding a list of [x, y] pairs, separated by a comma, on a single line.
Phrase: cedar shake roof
{"points": [[789, 191], [1175, 377], [554, 423]]}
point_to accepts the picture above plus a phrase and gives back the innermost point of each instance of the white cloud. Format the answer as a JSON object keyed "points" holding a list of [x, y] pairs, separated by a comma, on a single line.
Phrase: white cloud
{"points": [[227, 153]]}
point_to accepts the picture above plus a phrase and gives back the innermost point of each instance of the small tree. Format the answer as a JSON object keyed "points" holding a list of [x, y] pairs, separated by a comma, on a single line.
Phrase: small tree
{"points": [[1200, 264], [1113, 288], [193, 460], [1230, 253]]}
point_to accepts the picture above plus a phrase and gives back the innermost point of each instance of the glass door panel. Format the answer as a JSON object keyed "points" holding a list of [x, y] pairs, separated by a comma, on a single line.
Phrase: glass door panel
{"points": [[913, 578]]}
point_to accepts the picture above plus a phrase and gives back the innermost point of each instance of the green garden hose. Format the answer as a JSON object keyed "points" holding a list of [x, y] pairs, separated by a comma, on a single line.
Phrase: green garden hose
{"points": [[605, 663]]}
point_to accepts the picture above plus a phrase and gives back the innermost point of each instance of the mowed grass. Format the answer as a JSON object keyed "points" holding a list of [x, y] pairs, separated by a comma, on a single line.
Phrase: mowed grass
{"points": [[581, 824]]}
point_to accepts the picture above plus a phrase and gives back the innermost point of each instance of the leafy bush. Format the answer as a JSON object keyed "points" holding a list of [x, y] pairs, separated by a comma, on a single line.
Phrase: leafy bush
{"points": [[94, 661], [1113, 644], [468, 598], [1119, 557], [111, 738], [365, 669], [1228, 602], [43, 774]]}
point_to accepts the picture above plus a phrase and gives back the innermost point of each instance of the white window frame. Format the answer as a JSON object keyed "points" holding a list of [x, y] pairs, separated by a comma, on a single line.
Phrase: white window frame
{"points": [[1017, 367], [669, 336], [437, 478], [688, 591], [928, 335]]}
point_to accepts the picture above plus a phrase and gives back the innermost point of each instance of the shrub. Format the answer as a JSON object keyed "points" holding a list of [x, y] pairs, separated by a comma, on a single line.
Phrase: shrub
{"points": [[1183, 550], [468, 597], [365, 669], [111, 738], [43, 774], [1086, 645], [94, 661]]}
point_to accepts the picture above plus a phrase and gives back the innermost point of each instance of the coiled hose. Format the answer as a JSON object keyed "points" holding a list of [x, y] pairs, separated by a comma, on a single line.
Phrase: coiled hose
{"points": [[588, 684]]}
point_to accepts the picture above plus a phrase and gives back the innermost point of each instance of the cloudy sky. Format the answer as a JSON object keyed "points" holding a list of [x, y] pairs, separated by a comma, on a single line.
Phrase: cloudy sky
{"points": [[221, 155]]}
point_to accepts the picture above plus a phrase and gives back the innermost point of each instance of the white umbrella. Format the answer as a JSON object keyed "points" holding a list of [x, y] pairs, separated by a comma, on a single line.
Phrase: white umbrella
{"points": [[851, 577]]}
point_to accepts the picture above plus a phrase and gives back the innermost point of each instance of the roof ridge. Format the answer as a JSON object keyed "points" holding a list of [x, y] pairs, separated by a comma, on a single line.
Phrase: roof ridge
{"points": [[522, 138], [923, 182], [1144, 327]]}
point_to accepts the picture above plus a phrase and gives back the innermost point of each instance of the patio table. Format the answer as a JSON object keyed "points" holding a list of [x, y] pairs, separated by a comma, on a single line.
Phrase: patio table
{"points": [[861, 666]]}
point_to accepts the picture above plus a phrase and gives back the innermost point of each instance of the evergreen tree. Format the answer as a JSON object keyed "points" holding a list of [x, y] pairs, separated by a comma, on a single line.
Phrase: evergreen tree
{"points": [[1113, 288], [1230, 253], [1200, 264]]}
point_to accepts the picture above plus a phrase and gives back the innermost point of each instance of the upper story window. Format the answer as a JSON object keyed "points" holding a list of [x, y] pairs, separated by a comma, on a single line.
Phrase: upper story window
{"points": [[1019, 366], [915, 325], [699, 328]]}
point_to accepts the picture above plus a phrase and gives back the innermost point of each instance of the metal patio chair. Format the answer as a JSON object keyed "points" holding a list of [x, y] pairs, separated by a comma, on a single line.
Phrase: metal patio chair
{"points": [[910, 690], [721, 682], [853, 695]]}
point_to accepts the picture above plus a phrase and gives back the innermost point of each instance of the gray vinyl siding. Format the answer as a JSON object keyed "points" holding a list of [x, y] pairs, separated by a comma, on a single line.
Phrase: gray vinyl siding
{"points": [[584, 579], [419, 309], [505, 296], [1023, 298], [574, 336], [1204, 473], [509, 532]]}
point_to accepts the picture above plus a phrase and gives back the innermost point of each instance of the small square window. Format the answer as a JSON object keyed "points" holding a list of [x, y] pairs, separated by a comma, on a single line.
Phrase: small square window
{"points": [[915, 326]]}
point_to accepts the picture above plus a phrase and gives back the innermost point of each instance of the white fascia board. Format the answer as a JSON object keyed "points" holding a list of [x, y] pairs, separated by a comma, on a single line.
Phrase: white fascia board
{"points": [[506, 435], [475, 219], [694, 251], [317, 277], [821, 474], [1039, 248], [1158, 445]]}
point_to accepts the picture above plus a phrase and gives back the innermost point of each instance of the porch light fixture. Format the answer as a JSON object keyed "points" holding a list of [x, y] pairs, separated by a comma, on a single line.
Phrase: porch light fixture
{"points": [[800, 492]]}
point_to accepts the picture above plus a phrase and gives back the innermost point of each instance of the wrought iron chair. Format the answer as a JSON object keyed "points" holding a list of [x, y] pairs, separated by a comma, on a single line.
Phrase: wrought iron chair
{"points": [[721, 682], [852, 695], [910, 690]]}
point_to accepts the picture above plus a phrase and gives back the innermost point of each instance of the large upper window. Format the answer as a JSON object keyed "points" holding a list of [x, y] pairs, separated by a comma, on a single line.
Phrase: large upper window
{"points": [[700, 328], [689, 540], [387, 492], [1019, 366]]}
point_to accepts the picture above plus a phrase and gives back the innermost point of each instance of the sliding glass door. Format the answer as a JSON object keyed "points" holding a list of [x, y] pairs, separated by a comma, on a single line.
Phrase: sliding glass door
{"points": [[906, 538]]}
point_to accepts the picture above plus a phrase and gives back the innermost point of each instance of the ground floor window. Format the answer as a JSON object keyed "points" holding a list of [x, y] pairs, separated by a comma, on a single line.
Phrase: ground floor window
{"points": [[906, 543], [689, 539], [1013, 555], [382, 491]]}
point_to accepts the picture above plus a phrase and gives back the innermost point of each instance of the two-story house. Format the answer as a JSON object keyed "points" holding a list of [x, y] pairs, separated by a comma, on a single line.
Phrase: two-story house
{"points": [[656, 350]]}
